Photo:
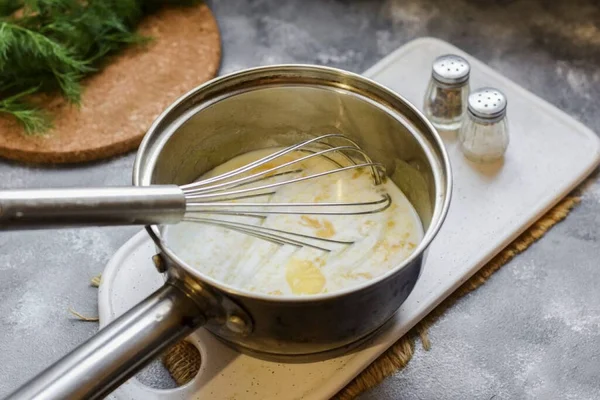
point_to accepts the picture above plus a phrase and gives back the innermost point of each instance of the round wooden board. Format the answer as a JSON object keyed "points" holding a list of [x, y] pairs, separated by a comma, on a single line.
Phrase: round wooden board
{"points": [[120, 103]]}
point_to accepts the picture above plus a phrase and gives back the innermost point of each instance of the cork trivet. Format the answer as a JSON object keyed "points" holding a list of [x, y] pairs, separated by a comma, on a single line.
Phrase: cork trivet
{"points": [[399, 355], [120, 103]]}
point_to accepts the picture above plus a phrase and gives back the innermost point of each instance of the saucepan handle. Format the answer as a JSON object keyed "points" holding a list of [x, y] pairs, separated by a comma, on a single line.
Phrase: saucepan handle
{"points": [[119, 350], [129, 205]]}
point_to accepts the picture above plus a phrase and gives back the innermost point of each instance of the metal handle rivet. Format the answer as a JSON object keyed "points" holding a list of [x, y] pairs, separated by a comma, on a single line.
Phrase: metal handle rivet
{"points": [[236, 324]]}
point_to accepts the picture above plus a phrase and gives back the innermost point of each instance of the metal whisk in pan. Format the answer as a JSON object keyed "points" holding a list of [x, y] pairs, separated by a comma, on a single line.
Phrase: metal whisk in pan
{"points": [[246, 110], [216, 201]]}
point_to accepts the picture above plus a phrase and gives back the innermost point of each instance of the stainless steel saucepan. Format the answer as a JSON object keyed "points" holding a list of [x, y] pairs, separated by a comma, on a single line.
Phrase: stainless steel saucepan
{"points": [[231, 115]]}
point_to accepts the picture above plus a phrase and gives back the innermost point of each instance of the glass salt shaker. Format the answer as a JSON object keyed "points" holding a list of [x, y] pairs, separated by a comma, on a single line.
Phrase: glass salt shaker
{"points": [[447, 92], [483, 136]]}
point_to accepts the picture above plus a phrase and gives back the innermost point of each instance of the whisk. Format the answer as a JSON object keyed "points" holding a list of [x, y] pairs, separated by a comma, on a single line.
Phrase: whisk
{"points": [[226, 200]]}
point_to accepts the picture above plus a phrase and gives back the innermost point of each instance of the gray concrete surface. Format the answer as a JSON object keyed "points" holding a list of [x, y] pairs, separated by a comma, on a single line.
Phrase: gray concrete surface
{"points": [[531, 332]]}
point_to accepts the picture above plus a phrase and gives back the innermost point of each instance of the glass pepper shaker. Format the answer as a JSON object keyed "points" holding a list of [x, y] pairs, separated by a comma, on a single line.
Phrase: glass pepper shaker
{"points": [[483, 136], [447, 92]]}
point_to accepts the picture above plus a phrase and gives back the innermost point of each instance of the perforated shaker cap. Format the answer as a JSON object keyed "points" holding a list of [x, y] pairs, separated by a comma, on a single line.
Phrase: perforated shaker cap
{"points": [[451, 69], [488, 103]]}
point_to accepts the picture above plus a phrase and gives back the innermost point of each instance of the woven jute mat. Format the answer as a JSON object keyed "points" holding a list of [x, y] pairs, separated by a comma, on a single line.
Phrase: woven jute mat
{"points": [[183, 360], [399, 355]]}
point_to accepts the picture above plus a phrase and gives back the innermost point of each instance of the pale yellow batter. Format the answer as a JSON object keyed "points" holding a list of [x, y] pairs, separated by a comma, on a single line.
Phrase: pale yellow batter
{"points": [[381, 240]]}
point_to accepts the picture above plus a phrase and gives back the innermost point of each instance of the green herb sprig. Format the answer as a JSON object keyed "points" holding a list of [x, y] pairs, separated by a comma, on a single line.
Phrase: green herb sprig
{"points": [[51, 45]]}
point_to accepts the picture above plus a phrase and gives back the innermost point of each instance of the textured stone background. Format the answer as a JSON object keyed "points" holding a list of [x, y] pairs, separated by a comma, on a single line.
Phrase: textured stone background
{"points": [[531, 332]]}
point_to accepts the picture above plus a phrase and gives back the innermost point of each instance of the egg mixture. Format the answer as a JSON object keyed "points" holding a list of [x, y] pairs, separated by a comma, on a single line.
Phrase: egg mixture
{"points": [[380, 240]]}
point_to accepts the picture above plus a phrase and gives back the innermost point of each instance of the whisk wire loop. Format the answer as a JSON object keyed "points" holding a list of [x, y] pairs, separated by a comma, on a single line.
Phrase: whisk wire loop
{"points": [[223, 195]]}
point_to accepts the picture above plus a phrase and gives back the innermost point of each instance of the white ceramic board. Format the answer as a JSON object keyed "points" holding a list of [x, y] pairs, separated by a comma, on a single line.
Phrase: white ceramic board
{"points": [[549, 154]]}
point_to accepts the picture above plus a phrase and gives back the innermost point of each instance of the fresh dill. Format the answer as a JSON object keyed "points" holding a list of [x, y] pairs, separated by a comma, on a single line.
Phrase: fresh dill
{"points": [[49, 46]]}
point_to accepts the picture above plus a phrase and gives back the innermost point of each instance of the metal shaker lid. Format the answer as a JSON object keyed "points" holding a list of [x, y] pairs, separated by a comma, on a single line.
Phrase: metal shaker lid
{"points": [[487, 103], [451, 69]]}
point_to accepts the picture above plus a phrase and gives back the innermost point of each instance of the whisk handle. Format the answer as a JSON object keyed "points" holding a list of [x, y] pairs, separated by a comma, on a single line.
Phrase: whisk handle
{"points": [[67, 207]]}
